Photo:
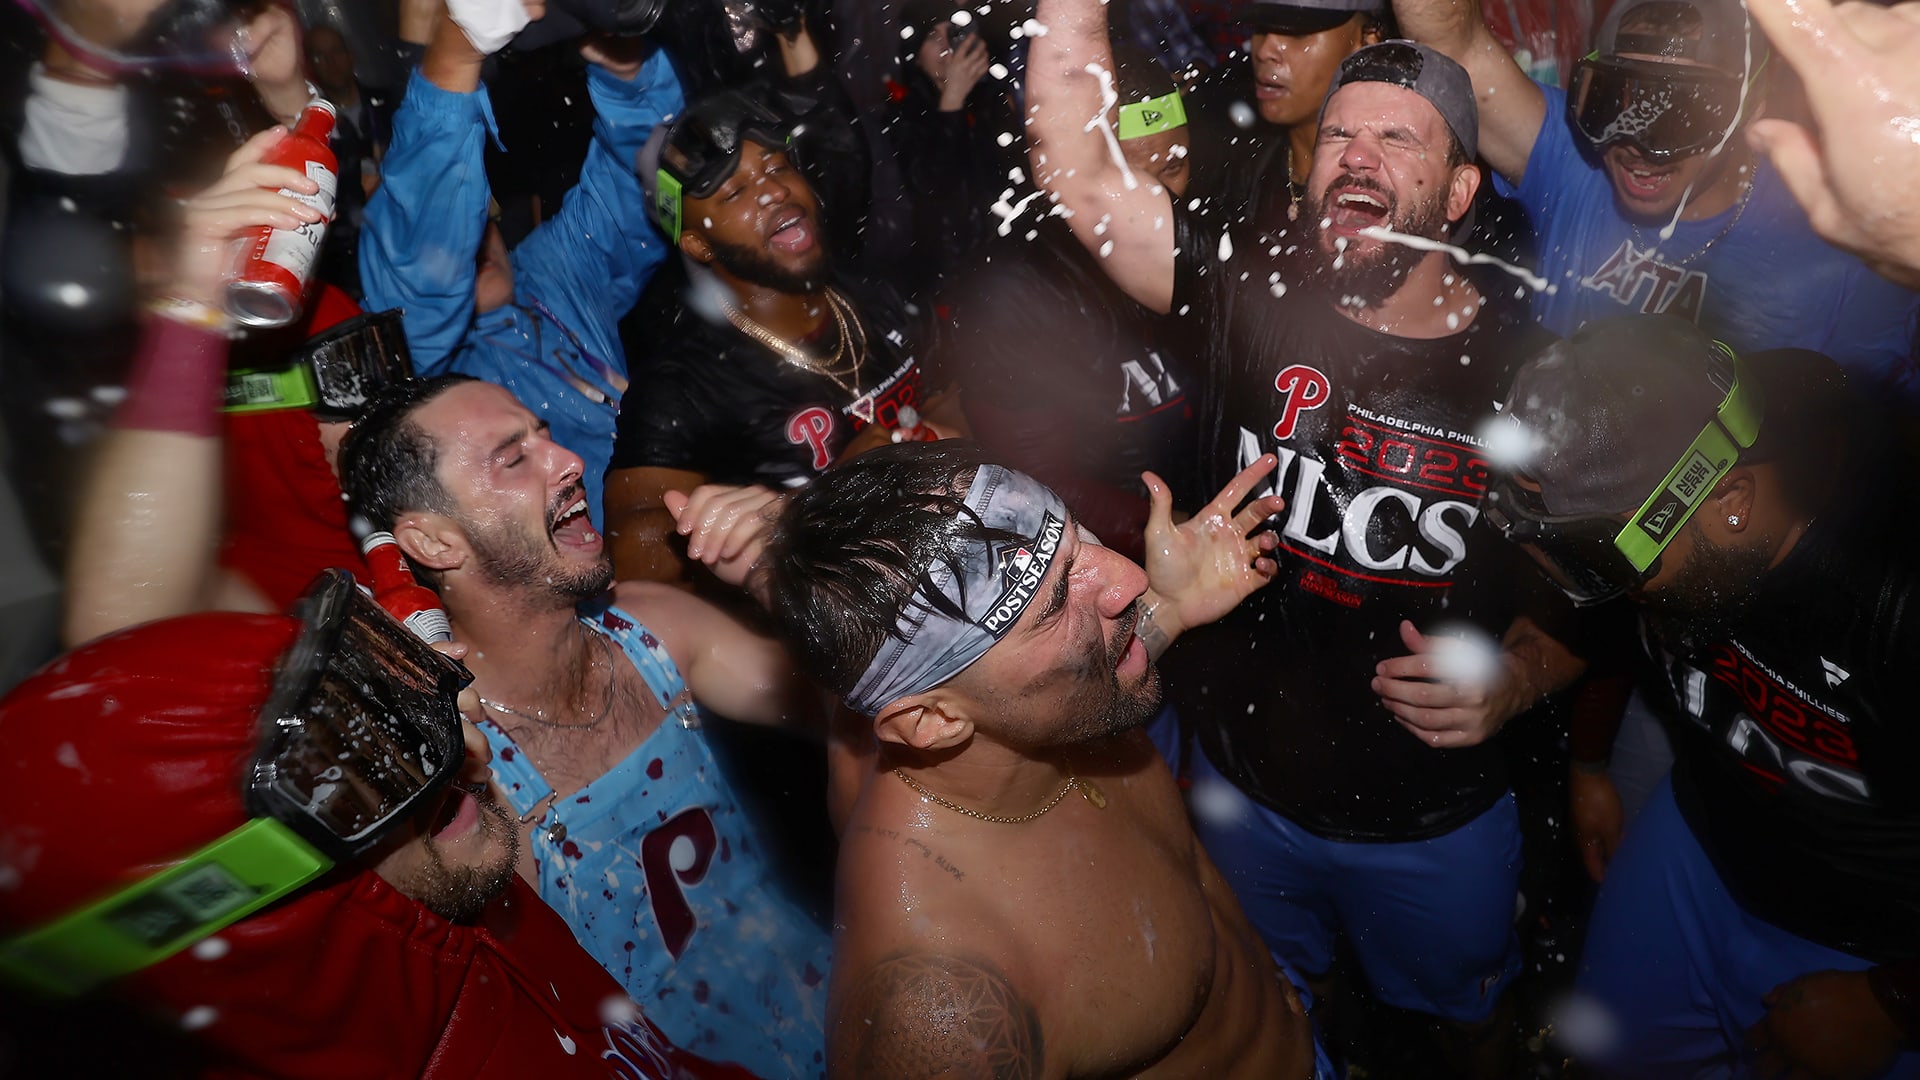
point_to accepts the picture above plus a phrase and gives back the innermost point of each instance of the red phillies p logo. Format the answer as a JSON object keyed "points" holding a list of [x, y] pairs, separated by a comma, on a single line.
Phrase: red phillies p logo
{"points": [[1305, 388], [810, 427]]}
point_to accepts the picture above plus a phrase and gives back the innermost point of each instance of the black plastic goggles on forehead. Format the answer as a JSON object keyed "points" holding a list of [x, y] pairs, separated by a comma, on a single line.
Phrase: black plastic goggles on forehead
{"points": [[1665, 111], [703, 150], [1594, 558], [333, 375], [360, 732]]}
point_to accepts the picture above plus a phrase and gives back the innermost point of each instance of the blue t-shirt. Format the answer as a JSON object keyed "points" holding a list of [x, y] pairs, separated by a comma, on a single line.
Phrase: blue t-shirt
{"points": [[1765, 281]]}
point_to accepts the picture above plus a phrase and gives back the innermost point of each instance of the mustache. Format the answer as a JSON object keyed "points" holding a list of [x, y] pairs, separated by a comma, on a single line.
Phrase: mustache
{"points": [[1124, 631], [566, 498]]}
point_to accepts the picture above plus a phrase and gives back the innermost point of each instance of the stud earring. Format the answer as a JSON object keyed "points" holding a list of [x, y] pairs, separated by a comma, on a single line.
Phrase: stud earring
{"points": [[1734, 520]]}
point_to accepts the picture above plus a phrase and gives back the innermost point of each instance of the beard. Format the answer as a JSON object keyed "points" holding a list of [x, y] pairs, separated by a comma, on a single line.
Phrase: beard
{"points": [[461, 893], [510, 556], [1371, 276], [1102, 707], [1709, 594], [754, 265]]}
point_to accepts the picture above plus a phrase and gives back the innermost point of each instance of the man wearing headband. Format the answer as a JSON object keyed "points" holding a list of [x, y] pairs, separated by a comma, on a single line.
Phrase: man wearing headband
{"points": [[278, 836], [543, 320], [1646, 198], [1019, 891], [594, 709], [1064, 376], [1255, 117], [1765, 907], [774, 364], [1356, 758]]}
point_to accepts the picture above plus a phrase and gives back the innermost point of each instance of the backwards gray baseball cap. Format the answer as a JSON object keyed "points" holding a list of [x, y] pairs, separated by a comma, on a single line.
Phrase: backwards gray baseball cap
{"points": [[1423, 70]]}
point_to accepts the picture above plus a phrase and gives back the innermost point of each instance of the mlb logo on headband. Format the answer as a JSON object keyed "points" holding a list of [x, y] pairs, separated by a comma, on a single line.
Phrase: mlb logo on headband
{"points": [[1022, 568]]}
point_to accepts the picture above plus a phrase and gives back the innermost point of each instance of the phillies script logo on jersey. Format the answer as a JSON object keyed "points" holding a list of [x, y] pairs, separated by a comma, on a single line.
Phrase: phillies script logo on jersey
{"points": [[1304, 388], [813, 427], [1392, 506]]}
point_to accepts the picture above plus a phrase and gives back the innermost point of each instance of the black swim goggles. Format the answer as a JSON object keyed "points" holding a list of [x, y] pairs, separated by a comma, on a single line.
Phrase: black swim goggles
{"points": [[333, 374], [360, 732], [1594, 558], [703, 149], [1664, 110]]}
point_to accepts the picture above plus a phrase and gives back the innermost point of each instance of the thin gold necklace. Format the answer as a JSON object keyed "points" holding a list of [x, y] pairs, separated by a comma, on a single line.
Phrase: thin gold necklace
{"points": [[1088, 791], [539, 716]]}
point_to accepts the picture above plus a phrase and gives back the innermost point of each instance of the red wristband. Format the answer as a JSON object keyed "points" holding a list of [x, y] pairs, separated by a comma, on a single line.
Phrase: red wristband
{"points": [[177, 381]]}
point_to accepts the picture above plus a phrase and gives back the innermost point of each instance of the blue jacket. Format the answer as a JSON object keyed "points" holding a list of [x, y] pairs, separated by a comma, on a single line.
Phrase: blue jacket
{"points": [[557, 345]]}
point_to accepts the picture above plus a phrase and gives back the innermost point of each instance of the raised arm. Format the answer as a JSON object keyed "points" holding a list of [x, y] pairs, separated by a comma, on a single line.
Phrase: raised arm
{"points": [[740, 674], [423, 226], [1512, 107], [149, 517], [601, 244], [1120, 216]]}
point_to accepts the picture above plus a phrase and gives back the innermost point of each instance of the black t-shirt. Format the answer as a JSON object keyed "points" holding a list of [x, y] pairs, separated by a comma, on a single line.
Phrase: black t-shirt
{"points": [[1381, 465], [708, 399], [1067, 379], [1795, 735]]}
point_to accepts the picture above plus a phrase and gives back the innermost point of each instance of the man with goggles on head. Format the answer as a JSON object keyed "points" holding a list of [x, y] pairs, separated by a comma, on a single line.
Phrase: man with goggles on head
{"points": [[1763, 906], [775, 362], [280, 833], [1646, 199]]}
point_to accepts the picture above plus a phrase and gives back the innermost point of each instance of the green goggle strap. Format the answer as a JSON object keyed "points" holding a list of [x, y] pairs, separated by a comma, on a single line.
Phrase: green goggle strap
{"points": [[150, 920], [667, 204], [258, 391], [1152, 116], [1713, 453]]}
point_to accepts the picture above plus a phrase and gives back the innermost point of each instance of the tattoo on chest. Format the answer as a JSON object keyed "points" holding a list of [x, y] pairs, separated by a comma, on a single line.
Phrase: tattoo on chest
{"points": [[914, 843]]}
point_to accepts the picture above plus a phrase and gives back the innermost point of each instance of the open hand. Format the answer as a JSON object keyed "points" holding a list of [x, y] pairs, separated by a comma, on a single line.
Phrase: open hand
{"points": [[1205, 566], [726, 526], [1824, 1026], [1859, 178]]}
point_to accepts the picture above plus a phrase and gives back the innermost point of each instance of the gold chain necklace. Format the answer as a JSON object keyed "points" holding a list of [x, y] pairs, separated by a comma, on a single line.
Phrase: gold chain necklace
{"points": [[539, 716], [1088, 791], [851, 333], [1739, 209]]}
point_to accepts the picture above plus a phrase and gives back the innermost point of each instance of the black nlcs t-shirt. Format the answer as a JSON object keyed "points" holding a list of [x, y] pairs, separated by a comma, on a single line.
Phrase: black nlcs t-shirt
{"points": [[708, 399], [1069, 380], [1795, 733], [1382, 467]]}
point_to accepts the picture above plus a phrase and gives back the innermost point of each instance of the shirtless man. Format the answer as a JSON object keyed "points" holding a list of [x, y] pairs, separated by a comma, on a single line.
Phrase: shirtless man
{"points": [[1019, 891], [634, 834]]}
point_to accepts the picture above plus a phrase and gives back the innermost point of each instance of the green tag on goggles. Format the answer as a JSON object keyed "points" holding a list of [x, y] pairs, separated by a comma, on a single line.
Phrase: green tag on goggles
{"points": [[333, 374], [1152, 116], [1593, 559], [361, 732], [706, 141]]}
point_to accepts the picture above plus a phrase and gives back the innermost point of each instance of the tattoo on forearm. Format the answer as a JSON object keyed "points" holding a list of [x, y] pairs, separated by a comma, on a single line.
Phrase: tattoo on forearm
{"points": [[917, 1016]]}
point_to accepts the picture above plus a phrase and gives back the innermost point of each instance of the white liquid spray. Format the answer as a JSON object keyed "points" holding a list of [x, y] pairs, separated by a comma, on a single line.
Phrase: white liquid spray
{"points": [[1461, 255]]}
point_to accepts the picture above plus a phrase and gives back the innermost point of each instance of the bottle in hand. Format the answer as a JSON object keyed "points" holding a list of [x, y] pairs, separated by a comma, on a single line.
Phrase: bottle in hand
{"points": [[273, 266]]}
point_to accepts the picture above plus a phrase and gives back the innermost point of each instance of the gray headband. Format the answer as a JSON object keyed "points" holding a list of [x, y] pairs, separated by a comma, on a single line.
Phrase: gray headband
{"points": [[999, 581]]}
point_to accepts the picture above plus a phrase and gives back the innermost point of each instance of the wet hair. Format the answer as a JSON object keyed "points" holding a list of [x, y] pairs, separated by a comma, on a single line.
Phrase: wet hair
{"points": [[856, 546], [387, 461]]}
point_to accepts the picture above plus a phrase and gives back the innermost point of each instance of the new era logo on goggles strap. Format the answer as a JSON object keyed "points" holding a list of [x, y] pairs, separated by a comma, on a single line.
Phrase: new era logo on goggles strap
{"points": [[1152, 116]]}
